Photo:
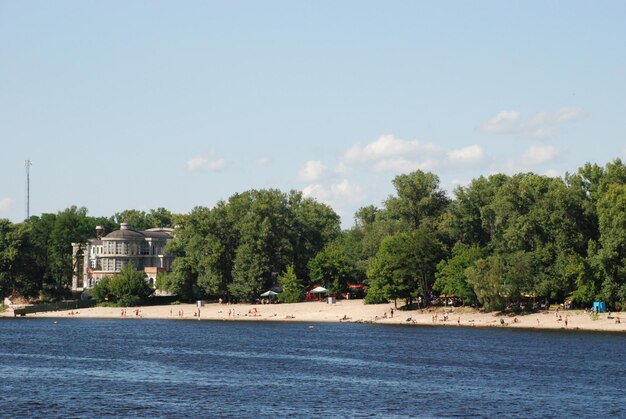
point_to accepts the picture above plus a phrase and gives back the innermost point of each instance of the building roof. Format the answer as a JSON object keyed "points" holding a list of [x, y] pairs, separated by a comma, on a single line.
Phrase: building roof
{"points": [[125, 234], [159, 232]]}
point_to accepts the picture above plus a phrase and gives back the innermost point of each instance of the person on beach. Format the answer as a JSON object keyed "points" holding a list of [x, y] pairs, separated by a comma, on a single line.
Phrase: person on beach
{"points": [[392, 312]]}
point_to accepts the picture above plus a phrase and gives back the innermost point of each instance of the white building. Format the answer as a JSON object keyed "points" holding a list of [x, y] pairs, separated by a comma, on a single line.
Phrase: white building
{"points": [[105, 256]]}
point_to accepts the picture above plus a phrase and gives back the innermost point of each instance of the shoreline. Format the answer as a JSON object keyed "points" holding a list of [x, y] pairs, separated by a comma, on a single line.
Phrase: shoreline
{"points": [[352, 311]]}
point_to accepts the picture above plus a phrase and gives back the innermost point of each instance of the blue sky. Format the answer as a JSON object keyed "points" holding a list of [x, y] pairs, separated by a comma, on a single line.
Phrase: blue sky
{"points": [[143, 104]]}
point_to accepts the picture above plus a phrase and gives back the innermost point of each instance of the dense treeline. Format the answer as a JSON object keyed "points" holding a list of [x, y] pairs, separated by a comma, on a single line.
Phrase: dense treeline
{"points": [[501, 240], [242, 247]]}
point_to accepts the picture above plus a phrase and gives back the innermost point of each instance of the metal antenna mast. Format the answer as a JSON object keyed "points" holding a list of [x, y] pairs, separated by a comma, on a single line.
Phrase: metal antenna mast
{"points": [[28, 163]]}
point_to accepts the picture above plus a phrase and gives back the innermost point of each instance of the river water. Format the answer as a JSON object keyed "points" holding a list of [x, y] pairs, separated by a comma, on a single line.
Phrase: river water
{"points": [[165, 368]]}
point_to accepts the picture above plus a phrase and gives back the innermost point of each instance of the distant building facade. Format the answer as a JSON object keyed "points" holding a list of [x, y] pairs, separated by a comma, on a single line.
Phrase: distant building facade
{"points": [[104, 256]]}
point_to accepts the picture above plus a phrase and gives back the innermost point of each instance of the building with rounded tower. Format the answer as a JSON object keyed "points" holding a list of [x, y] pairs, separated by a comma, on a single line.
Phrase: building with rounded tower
{"points": [[106, 255]]}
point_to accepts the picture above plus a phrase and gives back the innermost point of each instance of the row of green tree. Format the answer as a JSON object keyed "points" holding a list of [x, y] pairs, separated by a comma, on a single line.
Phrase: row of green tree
{"points": [[503, 240], [249, 244], [499, 240]]}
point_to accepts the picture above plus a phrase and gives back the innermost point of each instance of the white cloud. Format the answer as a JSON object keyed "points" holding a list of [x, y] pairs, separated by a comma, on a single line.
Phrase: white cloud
{"points": [[504, 121], [5, 204], [386, 146], [346, 191], [316, 191], [537, 155], [218, 164], [538, 125], [200, 163], [341, 167], [402, 165], [570, 114], [470, 155], [388, 153], [541, 133], [263, 161], [311, 171], [337, 193]]}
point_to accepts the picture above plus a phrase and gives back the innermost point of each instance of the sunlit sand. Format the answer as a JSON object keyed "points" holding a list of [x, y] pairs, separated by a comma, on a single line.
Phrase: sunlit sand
{"points": [[353, 311]]}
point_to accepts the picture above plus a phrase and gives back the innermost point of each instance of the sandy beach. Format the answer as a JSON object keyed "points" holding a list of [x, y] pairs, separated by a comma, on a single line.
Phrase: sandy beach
{"points": [[353, 311]]}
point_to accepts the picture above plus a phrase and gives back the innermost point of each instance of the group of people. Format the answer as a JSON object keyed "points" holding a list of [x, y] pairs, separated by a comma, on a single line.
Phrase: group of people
{"points": [[136, 311], [445, 318], [559, 317], [181, 313]]}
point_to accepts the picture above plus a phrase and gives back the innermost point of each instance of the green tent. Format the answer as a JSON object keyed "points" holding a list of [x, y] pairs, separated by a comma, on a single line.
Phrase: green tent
{"points": [[269, 293]]}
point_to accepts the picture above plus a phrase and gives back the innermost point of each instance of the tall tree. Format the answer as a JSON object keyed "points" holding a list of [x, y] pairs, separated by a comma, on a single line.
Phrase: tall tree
{"points": [[292, 289], [16, 262], [451, 278], [159, 217], [180, 280], [419, 198], [486, 278], [127, 288], [137, 219], [314, 225], [611, 209], [333, 268], [405, 265], [366, 216], [472, 219]]}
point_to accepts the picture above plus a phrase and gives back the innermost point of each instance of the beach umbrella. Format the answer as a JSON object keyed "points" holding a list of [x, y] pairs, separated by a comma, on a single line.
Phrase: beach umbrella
{"points": [[269, 293], [319, 290]]}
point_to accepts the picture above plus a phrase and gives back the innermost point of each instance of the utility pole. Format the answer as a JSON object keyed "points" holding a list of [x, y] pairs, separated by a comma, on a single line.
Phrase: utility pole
{"points": [[27, 164]]}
